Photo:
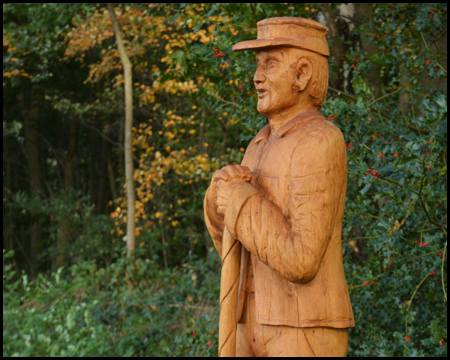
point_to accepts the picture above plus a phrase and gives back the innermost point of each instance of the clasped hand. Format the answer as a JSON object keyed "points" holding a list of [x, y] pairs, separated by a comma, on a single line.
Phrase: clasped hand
{"points": [[225, 180]]}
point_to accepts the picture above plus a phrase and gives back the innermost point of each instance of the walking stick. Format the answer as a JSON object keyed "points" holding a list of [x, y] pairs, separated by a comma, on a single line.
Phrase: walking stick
{"points": [[229, 286]]}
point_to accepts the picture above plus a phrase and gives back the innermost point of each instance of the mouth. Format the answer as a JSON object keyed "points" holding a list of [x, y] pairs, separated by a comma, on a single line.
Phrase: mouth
{"points": [[261, 92]]}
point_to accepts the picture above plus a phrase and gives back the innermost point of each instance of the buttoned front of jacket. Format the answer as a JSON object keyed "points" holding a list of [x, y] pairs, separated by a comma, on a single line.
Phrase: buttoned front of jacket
{"points": [[290, 220]]}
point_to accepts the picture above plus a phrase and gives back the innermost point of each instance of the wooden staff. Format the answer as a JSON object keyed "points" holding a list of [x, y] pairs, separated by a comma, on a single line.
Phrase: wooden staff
{"points": [[229, 286]]}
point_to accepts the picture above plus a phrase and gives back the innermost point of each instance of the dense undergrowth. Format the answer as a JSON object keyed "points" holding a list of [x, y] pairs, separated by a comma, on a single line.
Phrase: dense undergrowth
{"points": [[129, 308]]}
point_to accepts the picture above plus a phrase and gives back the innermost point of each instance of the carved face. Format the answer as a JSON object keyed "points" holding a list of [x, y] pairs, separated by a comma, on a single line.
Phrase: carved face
{"points": [[274, 80]]}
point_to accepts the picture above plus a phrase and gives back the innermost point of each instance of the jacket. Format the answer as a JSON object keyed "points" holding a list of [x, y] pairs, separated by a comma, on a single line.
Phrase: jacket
{"points": [[290, 220]]}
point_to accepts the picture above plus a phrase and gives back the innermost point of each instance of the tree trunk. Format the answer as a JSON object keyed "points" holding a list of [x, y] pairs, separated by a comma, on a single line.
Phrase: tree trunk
{"points": [[70, 160], [127, 70], [30, 116], [102, 183], [71, 157], [364, 14], [93, 161], [8, 229], [338, 48], [111, 177]]}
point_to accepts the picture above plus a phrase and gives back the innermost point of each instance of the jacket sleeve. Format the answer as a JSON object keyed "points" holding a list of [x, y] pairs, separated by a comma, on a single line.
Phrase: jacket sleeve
{"points": [[213, 220], [294, 245]]}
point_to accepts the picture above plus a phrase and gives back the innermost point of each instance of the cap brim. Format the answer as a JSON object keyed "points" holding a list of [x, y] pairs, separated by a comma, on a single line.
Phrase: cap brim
{"points": [[259, 44], [265, 43]]}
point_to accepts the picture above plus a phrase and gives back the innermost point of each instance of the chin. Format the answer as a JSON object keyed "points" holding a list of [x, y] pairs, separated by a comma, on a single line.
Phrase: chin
{"points": [[263, 110]]}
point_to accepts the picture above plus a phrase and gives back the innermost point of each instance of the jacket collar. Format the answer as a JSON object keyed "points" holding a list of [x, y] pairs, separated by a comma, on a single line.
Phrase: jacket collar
{"points": [[290, 125]]}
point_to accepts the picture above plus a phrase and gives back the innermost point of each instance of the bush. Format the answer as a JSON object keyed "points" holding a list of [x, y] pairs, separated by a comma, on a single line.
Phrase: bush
{"points": [[130, 308]]}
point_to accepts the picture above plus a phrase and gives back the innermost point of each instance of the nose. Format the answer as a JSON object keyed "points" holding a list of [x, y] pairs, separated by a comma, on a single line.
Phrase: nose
{"points": [[259, 76]]}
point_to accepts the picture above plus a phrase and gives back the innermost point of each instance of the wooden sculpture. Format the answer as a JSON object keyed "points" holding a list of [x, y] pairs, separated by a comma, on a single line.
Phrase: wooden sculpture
{"points": [[276, 219]]}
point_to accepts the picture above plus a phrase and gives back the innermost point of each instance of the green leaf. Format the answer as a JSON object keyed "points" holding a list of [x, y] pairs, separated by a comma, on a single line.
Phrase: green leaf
{"points": [[181, 58], [197, 27], [365, 188], [387, 168]]}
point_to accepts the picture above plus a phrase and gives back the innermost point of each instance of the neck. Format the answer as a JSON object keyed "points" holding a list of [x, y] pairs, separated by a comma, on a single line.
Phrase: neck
{"points": [[278, 119]]}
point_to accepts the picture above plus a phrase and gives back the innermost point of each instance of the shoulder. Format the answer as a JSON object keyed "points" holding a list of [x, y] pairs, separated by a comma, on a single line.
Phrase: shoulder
{"points": [[319, 125], [319, 137]]}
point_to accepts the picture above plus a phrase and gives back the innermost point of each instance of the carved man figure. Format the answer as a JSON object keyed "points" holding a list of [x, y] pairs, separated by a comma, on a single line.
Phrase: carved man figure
{"points": [[285, 203]]}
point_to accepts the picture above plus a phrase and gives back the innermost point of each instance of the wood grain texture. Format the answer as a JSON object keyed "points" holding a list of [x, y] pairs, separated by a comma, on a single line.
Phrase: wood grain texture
{"points": [[284, 205], [229, 286]]}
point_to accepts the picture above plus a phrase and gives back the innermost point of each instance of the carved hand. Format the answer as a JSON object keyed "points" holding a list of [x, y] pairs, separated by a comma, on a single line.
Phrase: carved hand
{"points": [[225, 180]]}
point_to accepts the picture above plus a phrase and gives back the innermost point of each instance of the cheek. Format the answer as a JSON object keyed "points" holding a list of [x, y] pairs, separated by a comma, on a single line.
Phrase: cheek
{"points": [[281, 88]]}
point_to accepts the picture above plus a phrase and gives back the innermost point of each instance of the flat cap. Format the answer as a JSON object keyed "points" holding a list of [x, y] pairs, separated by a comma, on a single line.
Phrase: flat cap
{"points": [[289, 31]]}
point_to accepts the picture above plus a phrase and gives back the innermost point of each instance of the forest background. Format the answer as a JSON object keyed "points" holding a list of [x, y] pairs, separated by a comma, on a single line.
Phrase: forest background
{"points": [[71, 287]]}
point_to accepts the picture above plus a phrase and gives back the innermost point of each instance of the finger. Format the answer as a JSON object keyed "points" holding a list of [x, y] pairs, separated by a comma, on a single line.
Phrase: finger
{"points": [[221, 209], [220, 175], [228, 170], [246, 170], [239, 172]]}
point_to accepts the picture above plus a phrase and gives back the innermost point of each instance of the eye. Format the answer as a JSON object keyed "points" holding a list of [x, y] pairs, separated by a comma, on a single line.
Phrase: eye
{"points": [[271, 63]]}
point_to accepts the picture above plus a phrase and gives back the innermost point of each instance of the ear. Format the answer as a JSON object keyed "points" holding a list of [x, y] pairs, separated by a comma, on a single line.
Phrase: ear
{"points": [[304, 73]]}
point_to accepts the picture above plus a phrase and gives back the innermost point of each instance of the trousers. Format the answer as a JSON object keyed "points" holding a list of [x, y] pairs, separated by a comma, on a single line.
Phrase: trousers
{"points": [[253, 339]]}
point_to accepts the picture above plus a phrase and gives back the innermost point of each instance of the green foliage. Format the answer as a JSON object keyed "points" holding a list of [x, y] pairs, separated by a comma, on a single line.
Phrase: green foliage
{"points": [[195, 111], [71, 214], [397, 195], [129, 308]]}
